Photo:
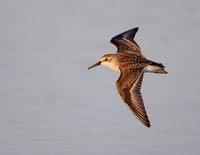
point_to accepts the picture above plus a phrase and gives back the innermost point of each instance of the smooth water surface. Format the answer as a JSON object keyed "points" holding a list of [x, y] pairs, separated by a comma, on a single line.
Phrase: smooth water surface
{"points": [[51, 104]]}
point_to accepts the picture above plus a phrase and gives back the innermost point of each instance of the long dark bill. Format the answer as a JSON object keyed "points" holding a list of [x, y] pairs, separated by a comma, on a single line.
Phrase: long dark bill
{"points": [[97, 64]]}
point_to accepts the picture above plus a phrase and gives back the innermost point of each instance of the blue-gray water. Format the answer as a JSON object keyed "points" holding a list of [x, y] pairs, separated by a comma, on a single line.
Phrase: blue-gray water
{"points": [[51, 104]]}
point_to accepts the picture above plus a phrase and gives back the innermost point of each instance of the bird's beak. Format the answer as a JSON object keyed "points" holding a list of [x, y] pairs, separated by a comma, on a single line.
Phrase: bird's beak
{"points": [[97, 64]]}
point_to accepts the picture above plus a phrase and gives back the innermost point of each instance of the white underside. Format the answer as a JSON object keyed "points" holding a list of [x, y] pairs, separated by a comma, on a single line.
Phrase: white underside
{"points": [[150, 68]]}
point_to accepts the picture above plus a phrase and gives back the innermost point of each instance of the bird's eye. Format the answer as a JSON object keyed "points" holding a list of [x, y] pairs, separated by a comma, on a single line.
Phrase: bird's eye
{"points": [[106, 59]]}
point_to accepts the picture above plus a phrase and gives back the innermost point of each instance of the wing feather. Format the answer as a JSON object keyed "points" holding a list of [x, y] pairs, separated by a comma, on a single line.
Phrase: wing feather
{"points": [[128, 86], [125, 42]]}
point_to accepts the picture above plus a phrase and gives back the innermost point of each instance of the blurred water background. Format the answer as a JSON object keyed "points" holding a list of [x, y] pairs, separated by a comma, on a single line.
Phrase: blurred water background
{"points": [[51, 104]]}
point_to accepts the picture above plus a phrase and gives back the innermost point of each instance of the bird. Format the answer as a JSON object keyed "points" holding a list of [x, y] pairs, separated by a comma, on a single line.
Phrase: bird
{"points": [[132, 65]]}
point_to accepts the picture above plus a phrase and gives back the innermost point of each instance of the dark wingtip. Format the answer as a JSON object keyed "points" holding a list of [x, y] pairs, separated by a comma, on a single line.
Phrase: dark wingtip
{"points": [[147, 123], [130, 34], [137, 28], [148, 126]]}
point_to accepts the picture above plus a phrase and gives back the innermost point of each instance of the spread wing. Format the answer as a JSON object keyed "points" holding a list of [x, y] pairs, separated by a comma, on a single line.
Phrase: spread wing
{"points": [[125, 43], [128, 86]]}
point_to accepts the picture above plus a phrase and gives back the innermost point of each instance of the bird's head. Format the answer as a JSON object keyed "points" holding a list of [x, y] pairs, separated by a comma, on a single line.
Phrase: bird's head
{"points": [[105, 60]]}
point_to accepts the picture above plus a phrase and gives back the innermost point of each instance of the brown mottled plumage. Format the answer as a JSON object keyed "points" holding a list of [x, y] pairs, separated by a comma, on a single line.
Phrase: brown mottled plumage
{"points": [[132, 64]]}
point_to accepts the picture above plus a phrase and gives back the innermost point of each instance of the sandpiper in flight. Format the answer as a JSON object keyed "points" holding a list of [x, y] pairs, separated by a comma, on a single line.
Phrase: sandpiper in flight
{"points": [[132, 64]]}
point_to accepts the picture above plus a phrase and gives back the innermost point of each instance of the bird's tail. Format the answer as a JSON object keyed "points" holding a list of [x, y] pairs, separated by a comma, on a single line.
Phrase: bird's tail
{"points": [[155, 67]]}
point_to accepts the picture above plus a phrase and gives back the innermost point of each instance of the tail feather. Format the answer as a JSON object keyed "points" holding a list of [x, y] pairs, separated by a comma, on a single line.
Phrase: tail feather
{"points": [[156, 64], [155, 67]]}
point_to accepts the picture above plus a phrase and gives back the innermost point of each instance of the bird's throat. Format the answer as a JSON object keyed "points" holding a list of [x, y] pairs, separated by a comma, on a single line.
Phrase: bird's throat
{"points": [[113, 66]]}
